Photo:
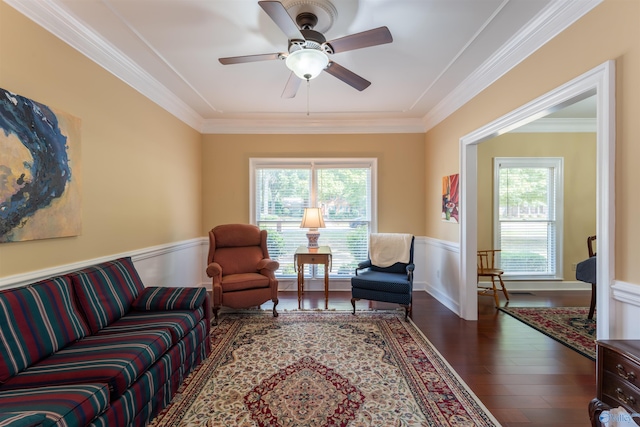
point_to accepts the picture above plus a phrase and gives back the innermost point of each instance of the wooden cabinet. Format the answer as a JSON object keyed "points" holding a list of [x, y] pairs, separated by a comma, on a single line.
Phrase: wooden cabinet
{"points": [[617, 377]]}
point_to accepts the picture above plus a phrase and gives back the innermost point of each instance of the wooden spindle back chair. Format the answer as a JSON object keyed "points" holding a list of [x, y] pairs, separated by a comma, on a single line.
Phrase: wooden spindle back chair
{"points": [[487, 268]]}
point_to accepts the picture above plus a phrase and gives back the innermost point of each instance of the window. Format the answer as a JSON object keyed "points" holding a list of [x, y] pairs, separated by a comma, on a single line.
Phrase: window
{"points": [[528, 216], [344, 189]]}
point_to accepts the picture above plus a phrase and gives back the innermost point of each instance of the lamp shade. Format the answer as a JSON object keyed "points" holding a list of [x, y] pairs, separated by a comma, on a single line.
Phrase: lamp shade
{"points": [[307, 63], [312, 218]]}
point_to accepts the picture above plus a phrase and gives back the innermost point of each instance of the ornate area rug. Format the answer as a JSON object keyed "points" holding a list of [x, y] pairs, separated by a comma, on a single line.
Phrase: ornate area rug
{"points": [[323, 369], [568, 325]]}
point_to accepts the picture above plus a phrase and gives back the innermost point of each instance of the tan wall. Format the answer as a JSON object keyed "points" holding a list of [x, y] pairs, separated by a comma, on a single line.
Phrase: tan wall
{"points": [[141, 166], [579, 153], [225, 171], [610, 31]]}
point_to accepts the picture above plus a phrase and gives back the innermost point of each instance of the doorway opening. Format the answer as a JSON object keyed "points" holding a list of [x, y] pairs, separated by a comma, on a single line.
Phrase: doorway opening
{"points": [[600, 82]]}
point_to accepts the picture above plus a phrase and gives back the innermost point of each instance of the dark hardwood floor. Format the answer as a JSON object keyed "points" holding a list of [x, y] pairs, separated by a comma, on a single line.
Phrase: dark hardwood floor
{"points": [[523, 377]]}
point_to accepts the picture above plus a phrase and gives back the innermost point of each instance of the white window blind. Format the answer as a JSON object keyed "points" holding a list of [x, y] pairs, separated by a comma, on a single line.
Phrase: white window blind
{"points": [[344, 190], [528, 216]]}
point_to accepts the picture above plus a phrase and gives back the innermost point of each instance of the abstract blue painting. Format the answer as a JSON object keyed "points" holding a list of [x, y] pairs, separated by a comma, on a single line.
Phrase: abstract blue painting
{"points": [[40, 194]]}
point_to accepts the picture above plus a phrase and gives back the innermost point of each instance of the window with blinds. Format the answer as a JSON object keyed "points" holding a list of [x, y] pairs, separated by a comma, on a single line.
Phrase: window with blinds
{"points": [[343, 188], [528, 216]]}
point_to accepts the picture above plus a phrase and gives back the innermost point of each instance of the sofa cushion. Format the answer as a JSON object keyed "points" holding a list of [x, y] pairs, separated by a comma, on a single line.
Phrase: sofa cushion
{"points": [[106, 291], [123, 411], [166, 374], [163, 298], [72, 405], [36, 321], [178, 322], [115, 359], [21, 419]]}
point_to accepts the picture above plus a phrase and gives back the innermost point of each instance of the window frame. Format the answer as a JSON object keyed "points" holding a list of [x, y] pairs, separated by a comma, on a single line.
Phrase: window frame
{"points": [[557, 165], [314, 164]]}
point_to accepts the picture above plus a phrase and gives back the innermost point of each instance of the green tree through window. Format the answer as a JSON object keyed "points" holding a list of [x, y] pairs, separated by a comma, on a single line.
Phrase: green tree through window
{"points": [[528, 219], [342, 188]]}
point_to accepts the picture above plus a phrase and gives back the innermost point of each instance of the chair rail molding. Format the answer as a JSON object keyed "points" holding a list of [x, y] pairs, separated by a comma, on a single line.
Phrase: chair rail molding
{"points": [[626, 309]]}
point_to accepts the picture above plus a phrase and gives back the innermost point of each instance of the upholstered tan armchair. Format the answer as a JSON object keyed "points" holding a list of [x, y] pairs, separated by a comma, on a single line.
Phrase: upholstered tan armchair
{"points": [[243, 274]]}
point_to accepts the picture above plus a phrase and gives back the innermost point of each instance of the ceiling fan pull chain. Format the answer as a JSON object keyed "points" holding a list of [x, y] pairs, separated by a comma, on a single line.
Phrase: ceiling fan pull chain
{"points": [[308, 89]]}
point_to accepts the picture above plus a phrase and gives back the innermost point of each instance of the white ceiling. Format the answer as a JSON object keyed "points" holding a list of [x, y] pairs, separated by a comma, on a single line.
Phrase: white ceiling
{"points": [[443, 53]]}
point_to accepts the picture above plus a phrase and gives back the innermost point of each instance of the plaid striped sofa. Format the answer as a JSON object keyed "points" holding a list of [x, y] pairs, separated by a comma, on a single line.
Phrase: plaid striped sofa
{"points": [[97, 348]]}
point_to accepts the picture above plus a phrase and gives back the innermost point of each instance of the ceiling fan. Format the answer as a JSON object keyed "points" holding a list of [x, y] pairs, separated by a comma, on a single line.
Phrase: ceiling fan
{"points": [[308, 51]]}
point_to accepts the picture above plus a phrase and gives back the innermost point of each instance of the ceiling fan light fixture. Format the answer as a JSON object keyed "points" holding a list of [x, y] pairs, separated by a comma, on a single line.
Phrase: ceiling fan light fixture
{"points": [[307, 63]]}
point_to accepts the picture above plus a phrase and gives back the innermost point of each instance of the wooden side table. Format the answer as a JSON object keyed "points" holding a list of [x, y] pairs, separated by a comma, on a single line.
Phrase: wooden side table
{"points": [[320, 255]]}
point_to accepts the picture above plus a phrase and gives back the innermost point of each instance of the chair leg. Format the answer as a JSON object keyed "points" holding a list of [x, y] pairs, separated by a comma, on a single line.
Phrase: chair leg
{"points": [[504, 289], [215, 315], [275, 302], [408, 312], [592, 306], [353, 303], [495, 292]]}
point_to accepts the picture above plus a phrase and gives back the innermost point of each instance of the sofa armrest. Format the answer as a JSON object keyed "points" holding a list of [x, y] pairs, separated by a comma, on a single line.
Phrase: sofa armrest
{"points": [[268, 264], [21, 419], [163, 298]]}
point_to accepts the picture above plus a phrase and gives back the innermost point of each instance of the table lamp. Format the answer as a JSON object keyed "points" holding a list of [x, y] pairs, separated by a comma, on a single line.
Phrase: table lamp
{"points": [[312, 219]]}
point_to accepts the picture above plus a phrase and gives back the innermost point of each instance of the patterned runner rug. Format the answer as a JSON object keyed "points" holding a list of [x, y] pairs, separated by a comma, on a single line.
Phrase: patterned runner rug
{"points": [[568, 325], [323, 369]]}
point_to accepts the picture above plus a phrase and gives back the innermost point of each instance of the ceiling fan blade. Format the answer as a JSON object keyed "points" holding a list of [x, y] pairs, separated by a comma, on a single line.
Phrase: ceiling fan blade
{"points": [[368, 38], [349, 77], [249, 58], [279, 15], [292, 86]]}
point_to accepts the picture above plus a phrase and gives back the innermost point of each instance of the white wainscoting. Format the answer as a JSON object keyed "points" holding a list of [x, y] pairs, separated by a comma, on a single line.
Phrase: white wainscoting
{"points": [[625, 310], [179, 264], [173, 264], [184, 264], [442, 272], [437, 272], [442, 275]]}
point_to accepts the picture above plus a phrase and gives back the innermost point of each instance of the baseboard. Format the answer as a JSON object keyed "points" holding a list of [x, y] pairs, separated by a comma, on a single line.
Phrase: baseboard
{"points": [[443, 298], [543, 285]]}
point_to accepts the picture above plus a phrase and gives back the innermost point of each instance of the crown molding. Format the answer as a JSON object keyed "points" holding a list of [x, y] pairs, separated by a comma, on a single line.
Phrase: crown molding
{"points": [[560, 125], [550, 22], [53, 17], [311, 126]]}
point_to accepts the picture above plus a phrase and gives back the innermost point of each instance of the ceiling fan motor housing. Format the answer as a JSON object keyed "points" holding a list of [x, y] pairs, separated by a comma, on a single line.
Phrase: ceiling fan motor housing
{"points": [[312, 40]]}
